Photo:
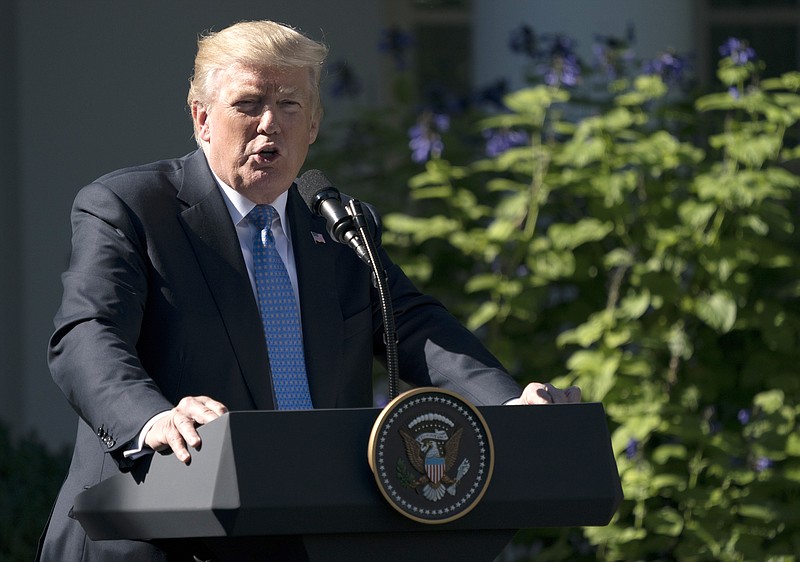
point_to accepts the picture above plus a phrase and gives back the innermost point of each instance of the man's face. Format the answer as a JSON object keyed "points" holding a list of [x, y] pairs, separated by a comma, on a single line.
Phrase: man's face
{"points": [[257, 129]]}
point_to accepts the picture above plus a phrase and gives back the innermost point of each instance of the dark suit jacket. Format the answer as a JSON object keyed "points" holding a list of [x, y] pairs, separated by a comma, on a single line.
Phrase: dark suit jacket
{"points": [[157, 305]]}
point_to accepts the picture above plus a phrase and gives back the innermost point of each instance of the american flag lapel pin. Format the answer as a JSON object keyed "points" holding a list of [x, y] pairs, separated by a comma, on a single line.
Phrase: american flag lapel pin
{"points": [[318, 238]]}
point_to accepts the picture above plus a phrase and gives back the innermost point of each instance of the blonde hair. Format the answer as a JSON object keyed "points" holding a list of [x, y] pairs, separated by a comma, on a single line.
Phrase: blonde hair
{"points": [[255, 44]]}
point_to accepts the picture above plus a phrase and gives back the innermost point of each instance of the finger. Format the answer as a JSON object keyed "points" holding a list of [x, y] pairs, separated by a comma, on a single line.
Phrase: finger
{"points": [[536, 393], [217, 407], [558, 395], [175, 441], [186, 428], [201, 409], [573, 394]]}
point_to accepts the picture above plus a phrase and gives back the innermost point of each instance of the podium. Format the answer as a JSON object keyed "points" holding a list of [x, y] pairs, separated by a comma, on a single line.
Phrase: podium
{"points": [[303, 478]]}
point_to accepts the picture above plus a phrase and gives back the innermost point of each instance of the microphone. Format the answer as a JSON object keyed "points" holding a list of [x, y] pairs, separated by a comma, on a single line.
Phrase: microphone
{"points": [[349, 226], [325, 201]]}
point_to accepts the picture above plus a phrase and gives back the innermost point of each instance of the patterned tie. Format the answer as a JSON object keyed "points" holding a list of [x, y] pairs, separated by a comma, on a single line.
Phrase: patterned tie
{"points": [[279, 315]]}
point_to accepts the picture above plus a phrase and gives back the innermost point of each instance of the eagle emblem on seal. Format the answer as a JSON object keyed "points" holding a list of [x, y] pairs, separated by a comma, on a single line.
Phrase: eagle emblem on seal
{"points": [[433, 454]]}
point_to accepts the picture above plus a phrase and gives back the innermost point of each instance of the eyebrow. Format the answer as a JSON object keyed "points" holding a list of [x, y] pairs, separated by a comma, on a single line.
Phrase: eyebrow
{"points": [[289, 91], [280, 90]]}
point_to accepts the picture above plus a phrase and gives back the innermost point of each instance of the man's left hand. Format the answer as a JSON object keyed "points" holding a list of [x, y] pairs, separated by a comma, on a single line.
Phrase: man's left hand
{"points": [[546, 393]]}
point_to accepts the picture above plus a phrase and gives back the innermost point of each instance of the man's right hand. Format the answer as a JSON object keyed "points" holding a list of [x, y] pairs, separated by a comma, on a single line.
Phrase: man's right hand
{"points": [[177, 430]]}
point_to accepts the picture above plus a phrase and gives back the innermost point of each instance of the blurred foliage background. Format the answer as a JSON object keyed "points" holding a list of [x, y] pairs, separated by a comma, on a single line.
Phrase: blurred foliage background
{"points": [[610, 226]]}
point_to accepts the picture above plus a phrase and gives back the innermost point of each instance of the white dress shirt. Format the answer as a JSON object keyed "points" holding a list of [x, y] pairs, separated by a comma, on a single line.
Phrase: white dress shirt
{"points": [[238, 207]]}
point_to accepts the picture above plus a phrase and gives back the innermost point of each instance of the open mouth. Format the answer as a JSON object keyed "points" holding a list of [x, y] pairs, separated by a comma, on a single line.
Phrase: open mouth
{"points": [[268, 154]]}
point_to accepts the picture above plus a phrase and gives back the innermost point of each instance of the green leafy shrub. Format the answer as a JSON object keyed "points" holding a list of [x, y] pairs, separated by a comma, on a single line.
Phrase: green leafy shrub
{"points": [[646, 250]]}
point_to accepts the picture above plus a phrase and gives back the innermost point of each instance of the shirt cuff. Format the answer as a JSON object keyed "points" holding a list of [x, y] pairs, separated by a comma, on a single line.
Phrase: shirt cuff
{"points": [[136, 446], [514, 402]]}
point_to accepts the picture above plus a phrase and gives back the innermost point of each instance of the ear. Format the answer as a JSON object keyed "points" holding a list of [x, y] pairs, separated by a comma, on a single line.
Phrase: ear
{"points": [[200, 120], [313, 131]]}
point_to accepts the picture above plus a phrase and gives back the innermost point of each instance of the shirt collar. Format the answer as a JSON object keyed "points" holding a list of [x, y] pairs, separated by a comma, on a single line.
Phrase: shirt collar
{"points": [[239, 206]]}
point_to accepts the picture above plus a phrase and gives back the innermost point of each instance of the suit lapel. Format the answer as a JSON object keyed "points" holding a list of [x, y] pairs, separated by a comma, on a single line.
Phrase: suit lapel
{"points": [[208, 225], [319, 301]]}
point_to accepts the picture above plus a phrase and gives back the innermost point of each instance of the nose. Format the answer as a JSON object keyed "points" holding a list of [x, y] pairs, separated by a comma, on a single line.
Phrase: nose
{"points": [[268, 125]]}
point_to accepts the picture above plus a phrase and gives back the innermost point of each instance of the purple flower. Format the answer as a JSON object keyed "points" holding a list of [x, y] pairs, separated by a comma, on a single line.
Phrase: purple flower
{"points": [[553, 53], [743, 416], [632, 448], [523, 271], [739, 51], [523, 41], [344, 83], [499, 141], [396, 43], [563, 66], [425, 140], [669, 66], [441, 122], [762, 464]]}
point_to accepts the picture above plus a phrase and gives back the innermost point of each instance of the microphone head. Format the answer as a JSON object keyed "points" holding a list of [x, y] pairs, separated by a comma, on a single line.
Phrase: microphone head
{"points": [[315, 187]]}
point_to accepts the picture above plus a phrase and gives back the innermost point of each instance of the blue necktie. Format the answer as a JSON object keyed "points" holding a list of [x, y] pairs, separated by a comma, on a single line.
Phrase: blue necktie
{"points": [[279, 315]]}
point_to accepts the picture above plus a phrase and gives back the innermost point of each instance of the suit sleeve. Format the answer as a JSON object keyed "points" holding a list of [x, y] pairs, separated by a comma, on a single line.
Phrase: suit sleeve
{"points": [[92, 352]]}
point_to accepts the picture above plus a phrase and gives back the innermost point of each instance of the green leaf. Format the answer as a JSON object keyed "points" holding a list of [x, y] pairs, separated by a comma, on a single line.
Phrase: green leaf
{"points": [[718, 310], [646, 88], [793, 445], [634, 305], [787, 81], [534, 101], [570, 236], [664, 453], [485, 313], [551, 265], [589, 332], [665, 521], [596, 371], [696, 214], [421, 229], [769, 401], [618, 257], [757, 511], [716, 102], [482, 282]]}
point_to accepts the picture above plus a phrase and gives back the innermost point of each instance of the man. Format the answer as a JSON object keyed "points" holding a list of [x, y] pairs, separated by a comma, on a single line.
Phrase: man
{"points": [[161, 327]]}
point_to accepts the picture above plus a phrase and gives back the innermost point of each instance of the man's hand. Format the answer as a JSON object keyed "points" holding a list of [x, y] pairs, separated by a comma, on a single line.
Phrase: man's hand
{"points": [[545, 393], [176, 430]]}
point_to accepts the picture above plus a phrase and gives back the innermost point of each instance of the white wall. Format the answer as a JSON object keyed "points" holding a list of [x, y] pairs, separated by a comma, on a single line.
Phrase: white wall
{"points": [[658, 24]]}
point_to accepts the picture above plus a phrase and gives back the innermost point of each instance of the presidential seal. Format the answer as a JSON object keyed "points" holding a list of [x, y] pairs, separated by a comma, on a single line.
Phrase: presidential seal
{"points": [[432, 455]]}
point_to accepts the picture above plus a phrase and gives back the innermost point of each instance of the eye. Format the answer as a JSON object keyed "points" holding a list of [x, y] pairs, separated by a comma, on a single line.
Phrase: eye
{"points": [[248, 105], [289, 104]]}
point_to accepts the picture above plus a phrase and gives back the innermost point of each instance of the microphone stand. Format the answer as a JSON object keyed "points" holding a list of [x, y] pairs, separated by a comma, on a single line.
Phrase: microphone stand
{"points": [[381, 284]]}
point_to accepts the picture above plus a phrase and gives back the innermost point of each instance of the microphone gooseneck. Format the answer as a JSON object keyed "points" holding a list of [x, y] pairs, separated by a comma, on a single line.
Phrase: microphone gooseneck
{"points": [[348, 226]]}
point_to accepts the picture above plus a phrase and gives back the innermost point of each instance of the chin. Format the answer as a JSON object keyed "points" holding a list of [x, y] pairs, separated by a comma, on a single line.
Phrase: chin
{"points": [[265, 189]]}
